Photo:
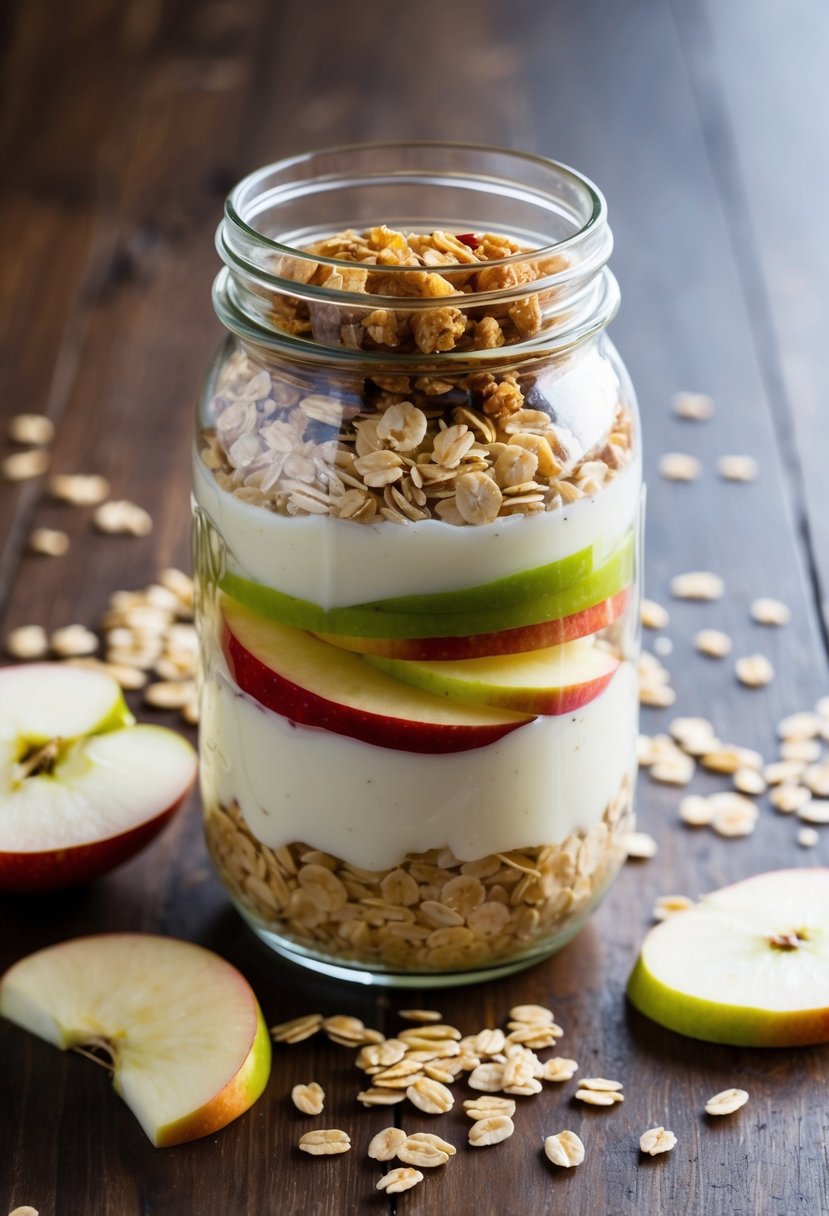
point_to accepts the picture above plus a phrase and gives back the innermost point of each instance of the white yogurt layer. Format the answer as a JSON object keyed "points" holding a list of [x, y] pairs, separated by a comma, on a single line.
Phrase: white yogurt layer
{"points": [[371, 805], [335, 562]]}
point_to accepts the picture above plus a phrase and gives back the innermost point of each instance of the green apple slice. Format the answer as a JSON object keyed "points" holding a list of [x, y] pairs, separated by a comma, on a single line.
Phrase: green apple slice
{"points": [[748, 965], [180, 1028], [554, 680], [368, 620]]}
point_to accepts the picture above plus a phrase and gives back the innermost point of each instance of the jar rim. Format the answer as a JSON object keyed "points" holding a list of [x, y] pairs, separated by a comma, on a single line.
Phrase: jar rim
{"points": [[237, 213]]}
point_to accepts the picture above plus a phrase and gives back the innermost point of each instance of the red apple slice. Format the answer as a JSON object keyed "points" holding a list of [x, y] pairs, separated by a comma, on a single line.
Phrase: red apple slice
{"points": [[550, 681], [294, 674], [505, 641], [81, 789], [182, 1029]]}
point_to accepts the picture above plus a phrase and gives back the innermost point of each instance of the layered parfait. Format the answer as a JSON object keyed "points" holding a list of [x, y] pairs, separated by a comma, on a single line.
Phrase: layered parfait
{"points": [[418, 616]]}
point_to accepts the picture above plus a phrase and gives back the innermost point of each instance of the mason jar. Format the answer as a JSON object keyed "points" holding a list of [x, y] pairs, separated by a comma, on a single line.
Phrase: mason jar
{"points": [[417, 519]]}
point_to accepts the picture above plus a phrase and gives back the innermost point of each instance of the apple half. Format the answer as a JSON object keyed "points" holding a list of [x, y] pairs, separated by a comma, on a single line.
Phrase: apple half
{"points": [[748, 965], [82, 788], [296, 675], [179, 1027], [555, 680], [385, 618]]}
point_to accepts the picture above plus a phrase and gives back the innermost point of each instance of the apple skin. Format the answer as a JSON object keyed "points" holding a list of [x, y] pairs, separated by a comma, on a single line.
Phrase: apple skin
{"points": [[740, 1025], [257, 674], [563, 680], [238, 1095], [372, 621], [483, 645]]}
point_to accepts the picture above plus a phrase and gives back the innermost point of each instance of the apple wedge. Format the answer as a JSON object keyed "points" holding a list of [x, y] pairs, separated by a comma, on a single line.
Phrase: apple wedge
{"points": [[296, 675], [748, 965], [180, 1028], [555, 680], [381, 619], [506, 641], [81, 787]]}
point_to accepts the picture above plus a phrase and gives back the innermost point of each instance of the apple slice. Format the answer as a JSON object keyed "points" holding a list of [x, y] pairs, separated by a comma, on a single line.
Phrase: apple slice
{"points": [[296, 675], [188, 1046], [550, 681], [81, 787], [748, 965], [378, 620], [505, 641]]}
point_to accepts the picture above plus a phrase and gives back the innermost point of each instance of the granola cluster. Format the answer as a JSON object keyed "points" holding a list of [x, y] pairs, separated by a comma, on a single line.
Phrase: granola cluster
{"points": [[445, 267], [401, 448], [430, 913]]}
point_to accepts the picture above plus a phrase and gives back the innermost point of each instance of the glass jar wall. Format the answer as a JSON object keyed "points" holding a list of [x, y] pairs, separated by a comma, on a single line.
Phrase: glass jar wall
{"points": [[417, 489]]}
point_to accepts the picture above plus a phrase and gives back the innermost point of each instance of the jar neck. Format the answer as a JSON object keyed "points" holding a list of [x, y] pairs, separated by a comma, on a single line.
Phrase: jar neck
{"points": [[277, 292]]}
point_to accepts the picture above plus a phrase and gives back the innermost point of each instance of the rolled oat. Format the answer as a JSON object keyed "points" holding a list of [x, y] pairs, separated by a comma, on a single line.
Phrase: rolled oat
{"points": [[21, 466], [491, 1130], [325, 1142], [564, 1149], [27, 642], [398, 1180], [384, 1146], [727, 1102], [49, 542], [310, 1099], [657, 1140], [35, 429]]}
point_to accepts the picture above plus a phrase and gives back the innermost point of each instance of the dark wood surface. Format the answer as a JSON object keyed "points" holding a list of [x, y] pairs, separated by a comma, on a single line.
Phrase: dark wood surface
{"points": [[122, 127]]}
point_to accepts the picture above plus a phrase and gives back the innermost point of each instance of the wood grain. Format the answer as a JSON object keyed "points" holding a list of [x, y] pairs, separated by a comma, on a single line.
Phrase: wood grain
{"points": [[113, 181]]}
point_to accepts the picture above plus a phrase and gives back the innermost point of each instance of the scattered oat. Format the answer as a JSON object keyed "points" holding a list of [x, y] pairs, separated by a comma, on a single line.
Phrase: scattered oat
{"points": [[640, 846], [686, 730], [804, 751], [564, 1149], [487, 1105], [402, 1179], [807, 838], [421, 1151], [384, 1145], [325, 1142], [122, 517], [713, 642], [599, 1097], [297, 1029], [663, 646], [816, 778], [534, 1014], [737, 468], [380, 1097], [27, 642], [733, 815], [21, 466], [657, 1140], [789, 799], [670, 905], [673, 770], [727, 1102], [310, 1098], [696, 407], [80, 489], [26, 1210], [697, 585], [723, 759], [419, 1015], [677, 466], [754, 670], [35, 429], [49, 542], [73, 640], [656, 696], [601, 1084], [653, 615], [749, 781], [491, 1130], [432, 1097], [559, 1068], [696, 811], [170, 694], [769, 612], [783, 771], [816, 811], [822, 707]]}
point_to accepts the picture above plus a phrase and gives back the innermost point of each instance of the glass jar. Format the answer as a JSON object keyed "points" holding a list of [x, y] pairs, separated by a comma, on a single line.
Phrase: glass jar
{"points": [[417, 520]]}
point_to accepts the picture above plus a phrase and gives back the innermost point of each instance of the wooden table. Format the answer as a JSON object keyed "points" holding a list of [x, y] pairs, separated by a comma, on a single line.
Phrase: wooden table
{"points": [[123, 127]]}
